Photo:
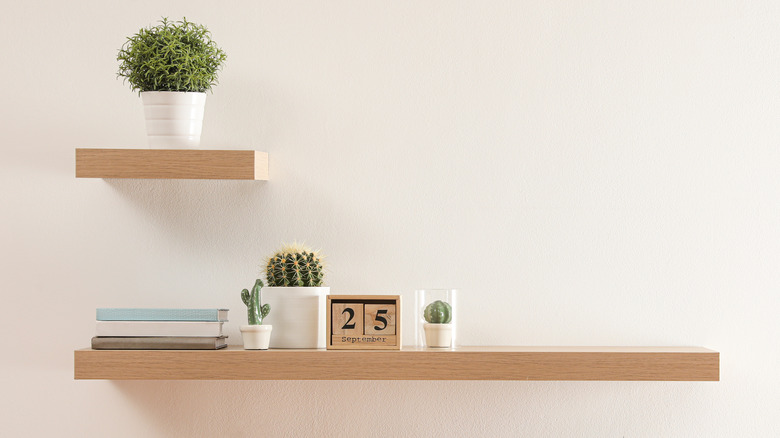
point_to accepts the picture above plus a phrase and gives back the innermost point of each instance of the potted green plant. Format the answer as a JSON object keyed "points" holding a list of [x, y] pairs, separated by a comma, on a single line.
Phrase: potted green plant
{"points": [[294, 275], [172, 65], [256, 335], [438, 327]]}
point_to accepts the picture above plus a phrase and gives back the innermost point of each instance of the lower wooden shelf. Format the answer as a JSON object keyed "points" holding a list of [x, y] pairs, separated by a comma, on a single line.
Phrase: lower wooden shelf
{"points": [[464, 363]]}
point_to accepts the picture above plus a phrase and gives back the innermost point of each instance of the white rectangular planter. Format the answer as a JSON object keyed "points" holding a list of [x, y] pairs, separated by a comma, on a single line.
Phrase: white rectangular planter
{"points": [[298, 316]]}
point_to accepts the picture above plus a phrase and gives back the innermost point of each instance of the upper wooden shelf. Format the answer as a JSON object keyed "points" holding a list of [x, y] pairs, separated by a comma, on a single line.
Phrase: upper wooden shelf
{"points": [[464, 363], [171, 164]]}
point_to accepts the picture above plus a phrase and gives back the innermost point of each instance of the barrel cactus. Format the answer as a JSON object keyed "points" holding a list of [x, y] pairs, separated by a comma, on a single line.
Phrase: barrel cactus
{"points": [[295, 265], [438, 312], [255, 311]]}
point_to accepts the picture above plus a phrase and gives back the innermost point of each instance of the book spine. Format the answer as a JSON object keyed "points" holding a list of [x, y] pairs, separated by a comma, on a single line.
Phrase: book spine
{"points": [[158, 343], [209, 315], [158, 328]]}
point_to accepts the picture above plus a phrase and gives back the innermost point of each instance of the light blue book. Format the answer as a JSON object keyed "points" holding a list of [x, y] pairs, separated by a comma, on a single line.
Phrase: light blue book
{"points": [[213, 315]]}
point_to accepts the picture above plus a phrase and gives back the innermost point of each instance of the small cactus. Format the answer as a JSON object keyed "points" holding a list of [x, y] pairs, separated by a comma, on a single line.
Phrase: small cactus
{"points": [[438, 312], [295, 265], [255, 312]]}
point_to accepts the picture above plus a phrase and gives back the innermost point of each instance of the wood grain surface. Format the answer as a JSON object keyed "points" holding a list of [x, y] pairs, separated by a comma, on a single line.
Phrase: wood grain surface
{"points": [[171, 164], [366, 334], [464, 363]]}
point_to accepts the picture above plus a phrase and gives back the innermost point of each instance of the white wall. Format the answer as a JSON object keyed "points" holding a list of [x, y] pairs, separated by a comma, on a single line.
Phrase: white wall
{"points": [[588, 173]]}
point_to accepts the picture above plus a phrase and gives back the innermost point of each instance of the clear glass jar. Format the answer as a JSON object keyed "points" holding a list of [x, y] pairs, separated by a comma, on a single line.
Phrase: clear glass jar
{"points": [[437, 333]]}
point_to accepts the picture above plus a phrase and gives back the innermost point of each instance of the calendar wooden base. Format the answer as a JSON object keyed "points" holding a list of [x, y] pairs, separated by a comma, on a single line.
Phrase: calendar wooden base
{"points": [[363, 322]]}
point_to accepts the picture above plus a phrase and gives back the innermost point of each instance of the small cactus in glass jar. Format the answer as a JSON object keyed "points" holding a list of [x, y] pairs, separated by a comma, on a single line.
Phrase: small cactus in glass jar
{"points": [[438, 312]]}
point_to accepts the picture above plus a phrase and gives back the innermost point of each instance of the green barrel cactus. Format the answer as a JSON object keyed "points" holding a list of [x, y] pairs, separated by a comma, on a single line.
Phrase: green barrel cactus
{"points": [[438, 312], [255, 311], [295, 265]]}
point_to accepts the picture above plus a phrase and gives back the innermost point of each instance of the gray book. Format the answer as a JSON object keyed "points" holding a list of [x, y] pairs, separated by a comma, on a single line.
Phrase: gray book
{"points": [[158, 343]]}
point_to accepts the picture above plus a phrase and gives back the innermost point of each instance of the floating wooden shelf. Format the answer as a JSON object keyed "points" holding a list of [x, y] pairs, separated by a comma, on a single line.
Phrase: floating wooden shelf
{"points": [[465, 363], [171, 164]]}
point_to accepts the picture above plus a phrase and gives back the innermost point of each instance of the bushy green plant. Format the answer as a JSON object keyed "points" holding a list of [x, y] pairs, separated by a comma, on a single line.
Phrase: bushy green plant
{"points": [[172, 56], [438, 312], [295, 265], [255, 311]]}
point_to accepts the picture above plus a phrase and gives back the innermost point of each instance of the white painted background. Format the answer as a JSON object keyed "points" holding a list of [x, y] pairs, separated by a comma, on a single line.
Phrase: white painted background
{"points": [[588, 173]]}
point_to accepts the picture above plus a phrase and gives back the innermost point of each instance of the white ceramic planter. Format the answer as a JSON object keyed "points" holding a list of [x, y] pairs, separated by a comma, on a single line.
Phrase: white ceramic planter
{"points": [[256, 337], [298, 313], [438, 335], [174, 119]]}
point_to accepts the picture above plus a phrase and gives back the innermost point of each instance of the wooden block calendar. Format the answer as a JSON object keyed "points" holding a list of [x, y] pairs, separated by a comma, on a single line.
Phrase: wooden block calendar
{"points": [[363, 322]]}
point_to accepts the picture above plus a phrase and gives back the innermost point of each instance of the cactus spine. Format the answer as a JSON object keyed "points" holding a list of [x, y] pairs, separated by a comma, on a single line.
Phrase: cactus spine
{"points": [[438, 312], [295, 265], [255, 311]]}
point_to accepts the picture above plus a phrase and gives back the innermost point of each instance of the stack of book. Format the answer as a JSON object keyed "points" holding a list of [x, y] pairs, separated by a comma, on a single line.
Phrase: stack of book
{"points": [[160, 329]]}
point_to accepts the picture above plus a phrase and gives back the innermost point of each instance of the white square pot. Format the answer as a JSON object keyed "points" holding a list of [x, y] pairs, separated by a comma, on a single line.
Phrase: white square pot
{"points": [[298, 316]]}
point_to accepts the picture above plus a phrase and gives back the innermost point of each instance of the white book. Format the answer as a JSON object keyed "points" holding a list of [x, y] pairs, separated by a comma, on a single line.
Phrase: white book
{"points": [[159, 328]]}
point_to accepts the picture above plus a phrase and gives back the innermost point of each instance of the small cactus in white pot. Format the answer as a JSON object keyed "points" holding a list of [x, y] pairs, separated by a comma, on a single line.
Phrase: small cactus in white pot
{"points": [[438, 327], [256, 335], [295, 290]]}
